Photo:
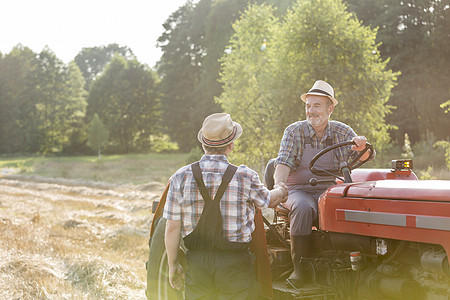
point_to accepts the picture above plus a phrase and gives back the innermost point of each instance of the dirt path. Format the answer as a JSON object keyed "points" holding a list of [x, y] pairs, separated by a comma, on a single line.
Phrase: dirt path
{"points": [[73, 240]]}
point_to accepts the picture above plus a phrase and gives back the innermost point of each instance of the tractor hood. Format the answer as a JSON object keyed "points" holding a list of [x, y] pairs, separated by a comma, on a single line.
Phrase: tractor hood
{"points": [[425, 190]]}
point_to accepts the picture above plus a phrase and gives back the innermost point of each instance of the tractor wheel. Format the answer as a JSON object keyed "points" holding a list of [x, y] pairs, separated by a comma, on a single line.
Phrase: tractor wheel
{"points": [[158, 286]]}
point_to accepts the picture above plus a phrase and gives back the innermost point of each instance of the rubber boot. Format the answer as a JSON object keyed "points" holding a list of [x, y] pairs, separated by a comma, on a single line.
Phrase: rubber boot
{"points": [[300, 245]]}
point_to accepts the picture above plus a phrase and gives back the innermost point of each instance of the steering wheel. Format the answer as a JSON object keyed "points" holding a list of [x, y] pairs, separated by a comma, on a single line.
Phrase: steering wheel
{"points": [[345, 167]]}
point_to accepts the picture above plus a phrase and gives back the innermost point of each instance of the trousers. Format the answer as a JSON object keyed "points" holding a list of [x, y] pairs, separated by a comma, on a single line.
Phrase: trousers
{"points": [[303, 206], [220, 275]]}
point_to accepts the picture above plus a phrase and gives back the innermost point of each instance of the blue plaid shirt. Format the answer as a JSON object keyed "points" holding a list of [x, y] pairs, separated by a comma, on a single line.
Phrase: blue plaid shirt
{"points": [[237, 206], [293, 143]]}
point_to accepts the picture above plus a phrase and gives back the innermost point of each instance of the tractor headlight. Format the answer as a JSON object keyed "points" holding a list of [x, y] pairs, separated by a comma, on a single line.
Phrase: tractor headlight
{"points": [[402, 164]]}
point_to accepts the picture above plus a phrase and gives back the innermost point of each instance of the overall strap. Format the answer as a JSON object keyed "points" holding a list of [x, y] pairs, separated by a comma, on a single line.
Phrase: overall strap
{"points": [[229, 173], [197, 172], [330, 137], [306, 133]]}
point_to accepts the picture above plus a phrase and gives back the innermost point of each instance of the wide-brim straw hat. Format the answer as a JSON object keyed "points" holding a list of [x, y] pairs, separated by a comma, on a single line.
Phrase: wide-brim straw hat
{"points": [[321, 88], [219, 130]]}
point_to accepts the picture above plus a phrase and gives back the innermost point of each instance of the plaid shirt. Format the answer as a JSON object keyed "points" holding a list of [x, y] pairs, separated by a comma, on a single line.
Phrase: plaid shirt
{"points": [[237, 206], [293, 143]]}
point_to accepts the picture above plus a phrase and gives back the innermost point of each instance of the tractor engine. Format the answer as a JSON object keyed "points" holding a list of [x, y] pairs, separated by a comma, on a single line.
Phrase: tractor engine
{"points": [[384, 236], [361, 267]]}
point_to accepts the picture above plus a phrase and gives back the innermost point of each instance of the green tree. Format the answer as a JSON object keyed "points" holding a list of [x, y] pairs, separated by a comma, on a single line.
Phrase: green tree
{"points": [[126, 98], [445, 145], [217, 32], [248, 94], [98, 135], [180, 70], [75, 109], [415, 35], [59, 96], [14, 78], [316, 40], [92, 61], [195, 38], [41, 100]]}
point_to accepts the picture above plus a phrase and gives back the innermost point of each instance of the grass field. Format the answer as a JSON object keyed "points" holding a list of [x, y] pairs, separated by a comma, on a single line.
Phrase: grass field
{"points": [[120, 169], [76, 227], [139, 169]]}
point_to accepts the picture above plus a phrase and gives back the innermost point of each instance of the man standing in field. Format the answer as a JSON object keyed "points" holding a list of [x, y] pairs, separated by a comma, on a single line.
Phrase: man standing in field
{"points": [[301, 141], [211, 204]]}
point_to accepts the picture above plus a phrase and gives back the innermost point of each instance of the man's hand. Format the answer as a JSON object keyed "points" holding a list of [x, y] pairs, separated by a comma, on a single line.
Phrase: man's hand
{"points": [[172, 240], [282, 186], [176, 276], [360, 143], [278, 195]]}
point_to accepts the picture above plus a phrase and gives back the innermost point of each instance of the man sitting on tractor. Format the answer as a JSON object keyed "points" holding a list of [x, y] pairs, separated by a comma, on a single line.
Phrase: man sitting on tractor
{"points": [[301, 141]]}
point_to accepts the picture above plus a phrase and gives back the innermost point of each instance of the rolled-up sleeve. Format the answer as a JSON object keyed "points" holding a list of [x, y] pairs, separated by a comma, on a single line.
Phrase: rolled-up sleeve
{"points": [[258, 192], [289, 147], [172, 209]]}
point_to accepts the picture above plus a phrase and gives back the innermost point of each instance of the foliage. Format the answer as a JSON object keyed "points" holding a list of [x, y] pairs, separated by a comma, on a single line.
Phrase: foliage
{"points": [[407, 150], [195, 38], [92, 61], [315, 40], [446, 106], [75, 109], [194, 155], [445, 145], [125, 97], [426, 175], [162, 143], [247, 76], [42, 100], [414, 34], [180, 69], [98, 135], [17, 66]]}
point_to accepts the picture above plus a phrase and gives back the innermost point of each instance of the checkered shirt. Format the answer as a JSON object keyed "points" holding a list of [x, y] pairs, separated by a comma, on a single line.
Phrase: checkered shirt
{"points": [[293, 143], [237, 205]]}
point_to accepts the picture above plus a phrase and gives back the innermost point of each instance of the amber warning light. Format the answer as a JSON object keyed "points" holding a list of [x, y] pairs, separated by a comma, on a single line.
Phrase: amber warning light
{"points": [[401, 164]]}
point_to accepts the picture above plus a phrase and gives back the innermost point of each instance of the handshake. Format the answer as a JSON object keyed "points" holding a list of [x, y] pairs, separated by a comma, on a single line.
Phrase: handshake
{"points": [[279, 194]]}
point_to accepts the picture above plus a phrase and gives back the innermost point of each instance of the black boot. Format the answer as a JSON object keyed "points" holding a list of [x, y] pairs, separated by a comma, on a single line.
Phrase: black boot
{"points": [[300, 245]]}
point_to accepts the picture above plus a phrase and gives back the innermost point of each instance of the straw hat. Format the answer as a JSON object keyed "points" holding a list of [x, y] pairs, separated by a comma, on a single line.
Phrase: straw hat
{"points": [[321, 88], [219, 130]]}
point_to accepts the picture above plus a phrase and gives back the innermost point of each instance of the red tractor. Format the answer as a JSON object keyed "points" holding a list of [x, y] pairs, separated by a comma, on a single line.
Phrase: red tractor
{"points": [[380, 234]]}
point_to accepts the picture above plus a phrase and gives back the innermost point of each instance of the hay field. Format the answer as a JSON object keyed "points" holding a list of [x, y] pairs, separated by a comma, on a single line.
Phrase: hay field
{"points": [[63, 238]]}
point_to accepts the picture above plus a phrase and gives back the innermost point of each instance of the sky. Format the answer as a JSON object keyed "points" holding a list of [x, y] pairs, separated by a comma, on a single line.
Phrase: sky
{"points": [[67, 26]]}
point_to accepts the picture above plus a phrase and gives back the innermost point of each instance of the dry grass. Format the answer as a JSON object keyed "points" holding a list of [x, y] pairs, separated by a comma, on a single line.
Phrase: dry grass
{"points": [[61, 240], [76, 228]]}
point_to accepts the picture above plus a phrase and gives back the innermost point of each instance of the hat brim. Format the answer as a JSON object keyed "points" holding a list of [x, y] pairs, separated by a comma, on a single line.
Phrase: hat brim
{"points": [[227, 142], [303, 97]]}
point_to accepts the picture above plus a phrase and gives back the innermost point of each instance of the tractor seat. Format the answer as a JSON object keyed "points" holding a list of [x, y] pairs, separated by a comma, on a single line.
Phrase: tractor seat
{"points": [[280, 210]]}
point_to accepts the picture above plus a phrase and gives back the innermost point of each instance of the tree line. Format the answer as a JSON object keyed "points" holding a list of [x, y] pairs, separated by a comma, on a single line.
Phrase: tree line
{"points": [[388, 60], [47, 106]]}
